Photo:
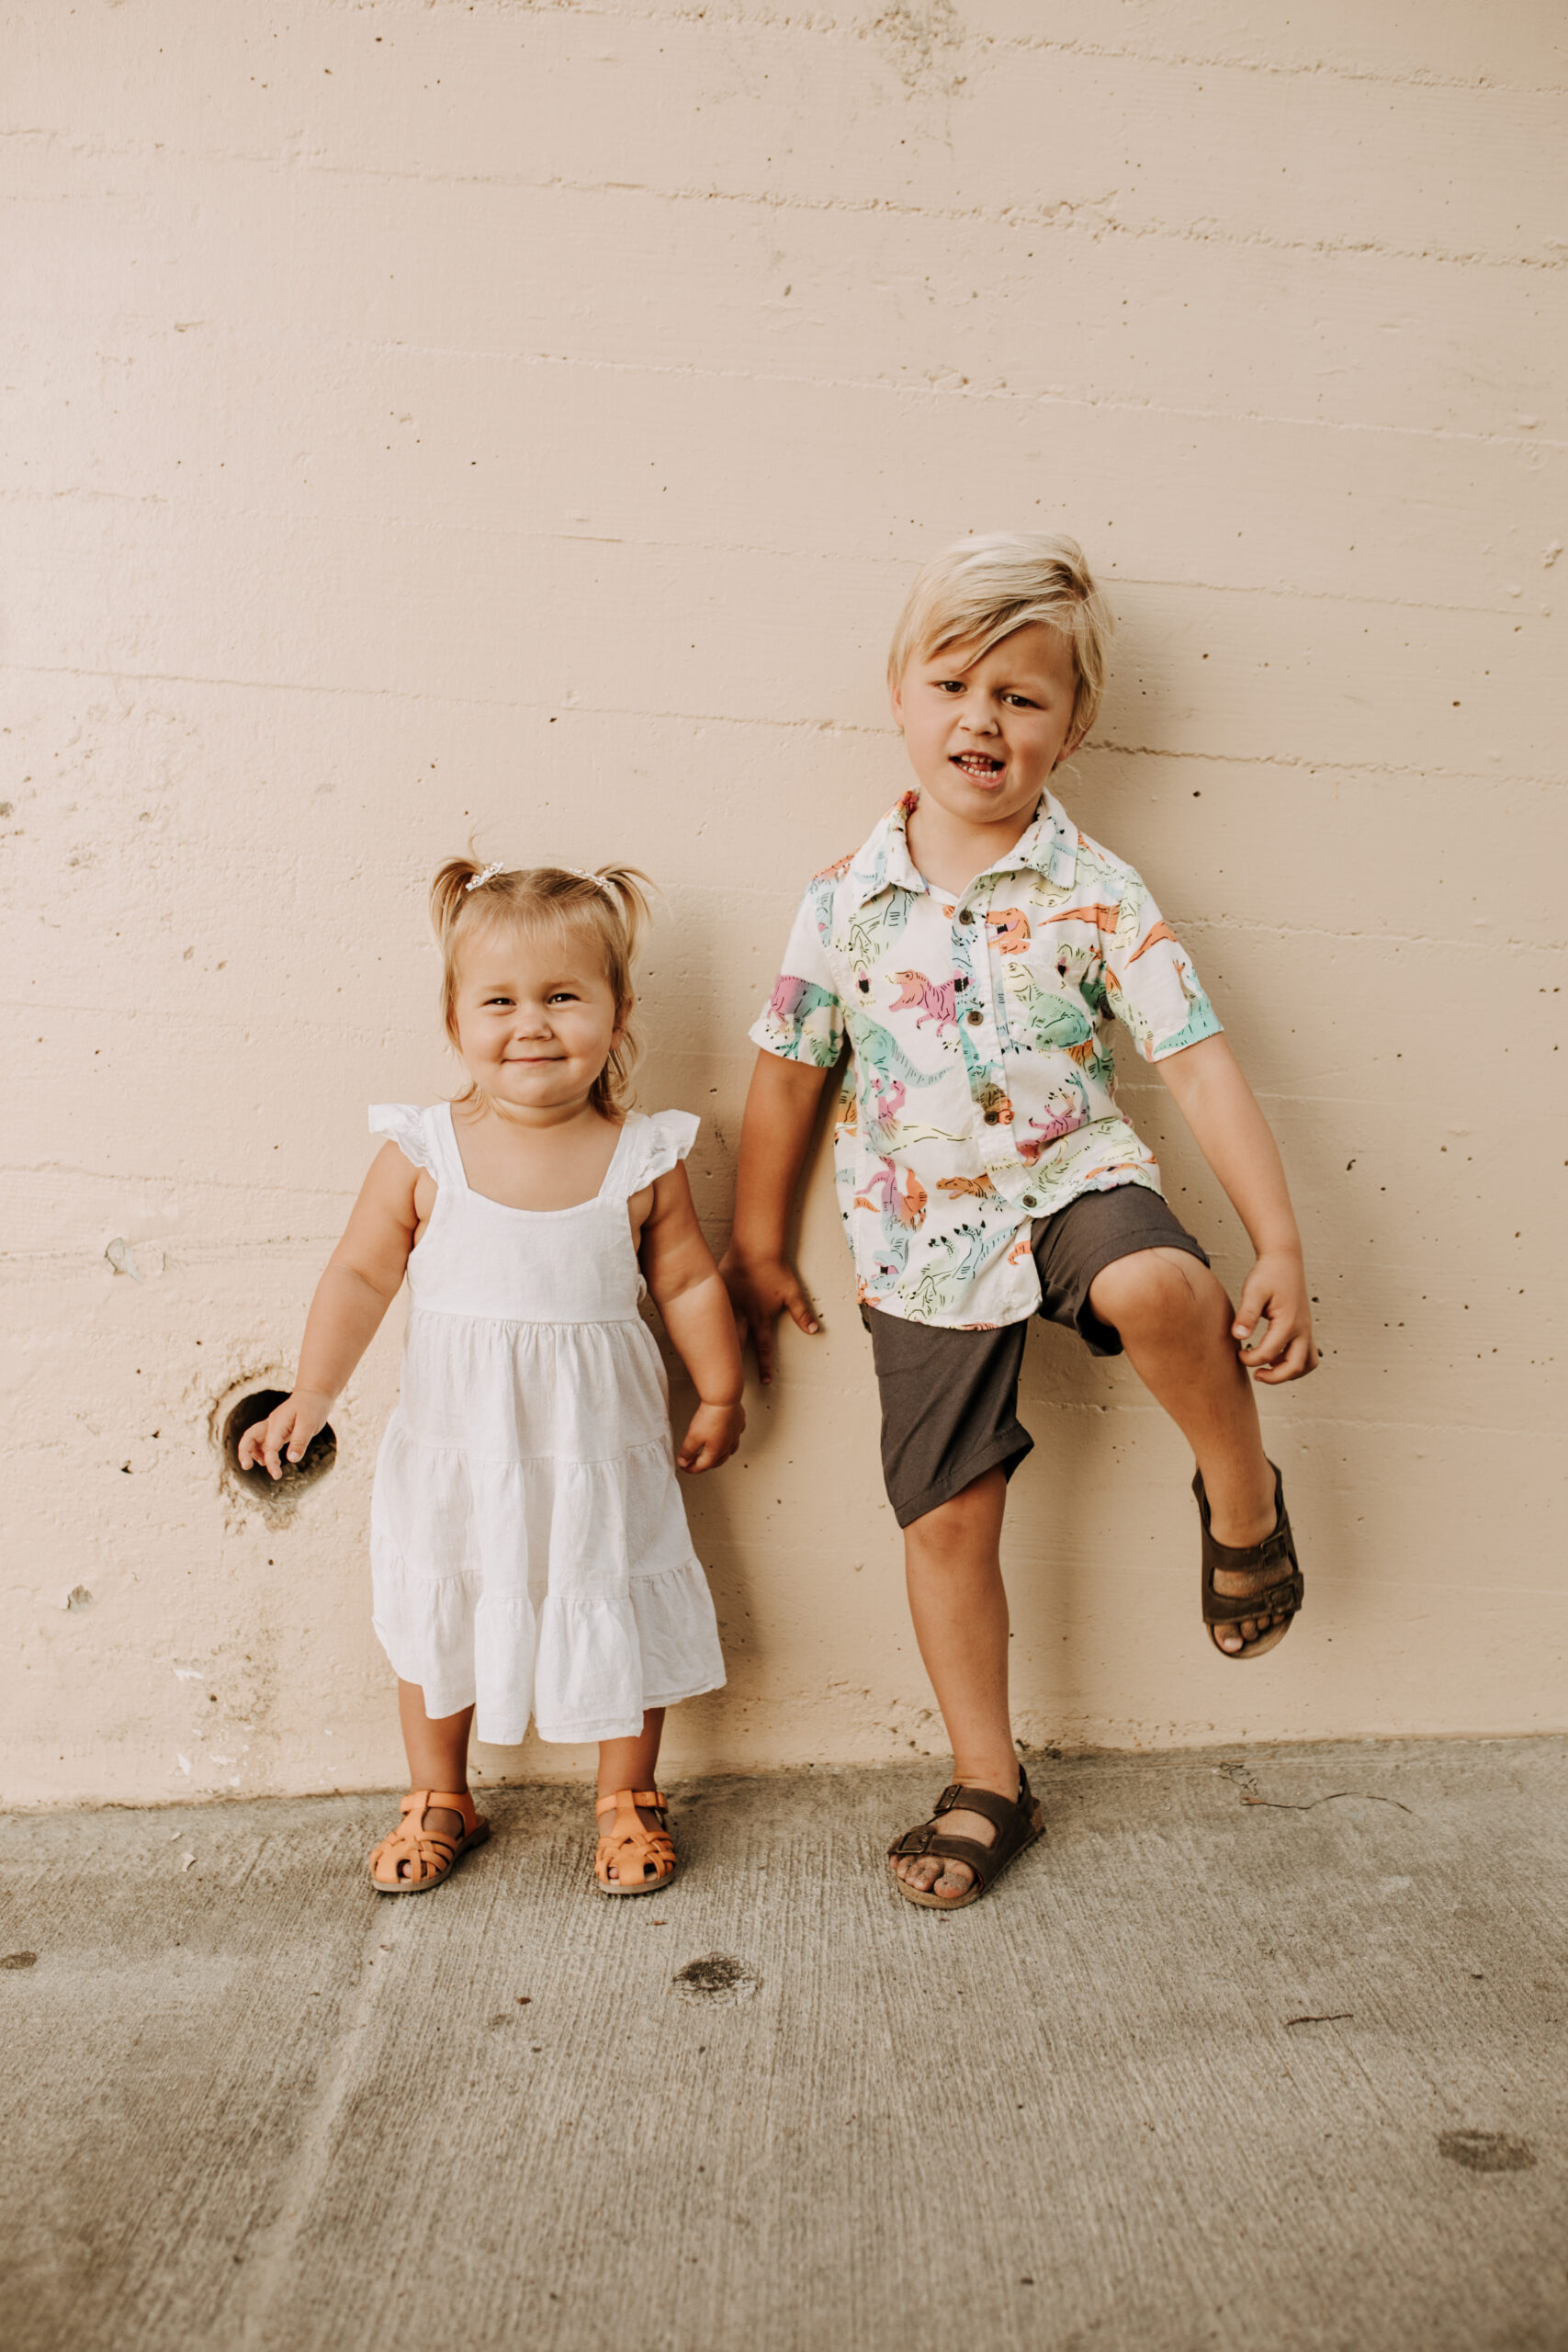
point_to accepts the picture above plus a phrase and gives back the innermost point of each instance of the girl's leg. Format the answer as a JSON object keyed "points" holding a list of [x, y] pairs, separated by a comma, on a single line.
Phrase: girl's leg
{"points": [[1174, 1320], [953, 1571], [634, 1764], [437, 1751]]}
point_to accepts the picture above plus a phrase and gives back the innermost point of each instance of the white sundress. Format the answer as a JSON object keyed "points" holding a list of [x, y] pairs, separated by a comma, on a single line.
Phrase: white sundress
{"points": [[529, 1544]]}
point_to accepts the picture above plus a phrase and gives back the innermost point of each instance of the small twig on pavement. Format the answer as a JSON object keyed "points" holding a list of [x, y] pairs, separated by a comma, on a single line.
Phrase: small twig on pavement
{"points": [[1282, 1805]]}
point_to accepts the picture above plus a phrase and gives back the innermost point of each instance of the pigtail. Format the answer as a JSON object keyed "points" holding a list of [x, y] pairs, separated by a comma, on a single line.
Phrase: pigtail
{"points": [[450, 893], [626, 887]]}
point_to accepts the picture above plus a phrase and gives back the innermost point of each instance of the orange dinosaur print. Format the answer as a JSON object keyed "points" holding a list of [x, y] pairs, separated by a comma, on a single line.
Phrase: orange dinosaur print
{"points": [[1006, 928], [1161, 931], [1103, 918], [976, 1188], [839, 868]]}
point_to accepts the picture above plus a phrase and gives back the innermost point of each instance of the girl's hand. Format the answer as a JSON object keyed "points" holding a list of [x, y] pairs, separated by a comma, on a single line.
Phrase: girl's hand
{"points": [[1275, 1292], [758, 1288], [290, 1427], [712, 1438]]}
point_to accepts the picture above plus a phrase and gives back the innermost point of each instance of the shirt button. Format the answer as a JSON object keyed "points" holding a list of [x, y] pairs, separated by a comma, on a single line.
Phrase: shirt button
{"points": [[1030, 1202], [975, 1018], [991, 1117], [967, 915]]}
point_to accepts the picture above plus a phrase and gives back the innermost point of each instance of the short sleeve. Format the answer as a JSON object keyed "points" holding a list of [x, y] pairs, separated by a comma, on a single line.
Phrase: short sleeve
{"points": [[1150, 981], [803, 1020], [407, 1126], [655, 1146]]}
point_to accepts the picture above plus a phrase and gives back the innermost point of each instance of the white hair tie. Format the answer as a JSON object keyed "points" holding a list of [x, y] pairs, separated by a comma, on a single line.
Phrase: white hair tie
{"points": [[477, 881], [583, 874]]}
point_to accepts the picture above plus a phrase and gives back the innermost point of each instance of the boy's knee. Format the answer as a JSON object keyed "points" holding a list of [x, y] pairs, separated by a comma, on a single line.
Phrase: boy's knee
{"points": [[1155, 1291]]}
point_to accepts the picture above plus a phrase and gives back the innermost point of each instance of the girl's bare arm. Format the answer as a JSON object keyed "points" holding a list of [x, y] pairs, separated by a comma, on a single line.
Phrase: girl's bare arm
{"points": [[685, 1287], [1235, 1139], [781, 1110], [363, 1277]]}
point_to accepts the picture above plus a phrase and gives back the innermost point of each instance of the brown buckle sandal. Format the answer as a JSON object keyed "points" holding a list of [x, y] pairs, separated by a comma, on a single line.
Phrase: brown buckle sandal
{"points": [[643, 1859], [427, 1856], [1281, 1599], [1017, 1824]]}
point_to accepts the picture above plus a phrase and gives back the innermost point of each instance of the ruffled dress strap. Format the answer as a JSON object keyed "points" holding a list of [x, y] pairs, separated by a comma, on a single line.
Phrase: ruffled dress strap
{"points": [[651, 1148], [417, 1133]]}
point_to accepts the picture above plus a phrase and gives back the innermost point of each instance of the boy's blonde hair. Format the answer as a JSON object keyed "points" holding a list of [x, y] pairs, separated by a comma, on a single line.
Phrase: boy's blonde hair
{"points": [[607, 907], [978, 590]]}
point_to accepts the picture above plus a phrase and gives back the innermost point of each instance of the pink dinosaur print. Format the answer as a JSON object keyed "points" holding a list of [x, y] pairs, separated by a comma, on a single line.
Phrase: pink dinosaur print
{"points": [[887, 1101], [907, 1209], [936, 998], [1051, 1131], [1006, 928]]}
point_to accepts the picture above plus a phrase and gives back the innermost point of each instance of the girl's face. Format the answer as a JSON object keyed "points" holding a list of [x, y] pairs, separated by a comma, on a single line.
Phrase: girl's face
{"points": [[536, 1017], [984, 739]]}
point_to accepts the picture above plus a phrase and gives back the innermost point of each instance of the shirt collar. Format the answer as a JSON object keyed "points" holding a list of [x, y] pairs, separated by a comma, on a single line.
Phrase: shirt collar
{"points": [[1050, 847]]}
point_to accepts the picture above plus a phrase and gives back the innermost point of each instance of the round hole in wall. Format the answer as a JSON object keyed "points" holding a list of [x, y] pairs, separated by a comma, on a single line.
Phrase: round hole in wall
{"points": [[317, 1460]]}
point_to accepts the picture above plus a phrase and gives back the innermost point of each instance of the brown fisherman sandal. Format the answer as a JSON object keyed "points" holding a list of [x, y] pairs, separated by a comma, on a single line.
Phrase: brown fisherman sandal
{"points": [[411, 1859], [1017, 1824], [1281, 1599]]}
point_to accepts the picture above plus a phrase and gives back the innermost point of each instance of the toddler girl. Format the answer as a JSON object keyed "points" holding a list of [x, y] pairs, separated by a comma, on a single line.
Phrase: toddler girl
{"points": [[529, 1544]]}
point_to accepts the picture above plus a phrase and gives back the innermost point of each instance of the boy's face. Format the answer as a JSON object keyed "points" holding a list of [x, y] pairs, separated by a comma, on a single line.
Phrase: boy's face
{"points": [[984, 739], [536, 1016]]}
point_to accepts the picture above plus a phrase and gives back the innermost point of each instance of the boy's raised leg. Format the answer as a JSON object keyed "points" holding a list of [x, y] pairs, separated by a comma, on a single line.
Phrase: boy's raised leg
{"points": [[1174, 1320], [958, 1603]]}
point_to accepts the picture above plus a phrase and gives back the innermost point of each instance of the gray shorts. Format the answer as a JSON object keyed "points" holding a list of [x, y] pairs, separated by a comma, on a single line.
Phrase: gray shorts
{"points": [[950, 1398]]}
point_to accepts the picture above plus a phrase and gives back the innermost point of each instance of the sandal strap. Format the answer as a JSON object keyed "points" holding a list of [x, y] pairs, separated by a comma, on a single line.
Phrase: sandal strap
{"points": [[940, 1847], [610, 1800], [998, 1810]]}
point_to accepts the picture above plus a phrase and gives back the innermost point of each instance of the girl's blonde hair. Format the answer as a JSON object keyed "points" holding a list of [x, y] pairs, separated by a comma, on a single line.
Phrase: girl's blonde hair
{"points": [[980, 590], [608, 907]]}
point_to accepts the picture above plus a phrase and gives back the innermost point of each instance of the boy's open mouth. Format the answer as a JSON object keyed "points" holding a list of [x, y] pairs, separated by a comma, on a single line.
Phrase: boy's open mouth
{"points": [[978, 766]]}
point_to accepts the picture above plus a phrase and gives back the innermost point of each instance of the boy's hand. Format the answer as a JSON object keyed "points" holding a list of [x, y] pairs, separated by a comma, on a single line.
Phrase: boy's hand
{"points": [[714, 1434], [1275, 1293], [288, 1427], [758, 1288]]}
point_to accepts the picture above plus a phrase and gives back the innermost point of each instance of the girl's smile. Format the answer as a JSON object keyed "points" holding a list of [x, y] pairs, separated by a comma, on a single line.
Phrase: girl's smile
{"points": [[535, 1018]]}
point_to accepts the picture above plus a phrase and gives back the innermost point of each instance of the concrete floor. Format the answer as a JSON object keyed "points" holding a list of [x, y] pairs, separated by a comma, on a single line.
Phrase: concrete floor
{"points": [[1254, 2055]]}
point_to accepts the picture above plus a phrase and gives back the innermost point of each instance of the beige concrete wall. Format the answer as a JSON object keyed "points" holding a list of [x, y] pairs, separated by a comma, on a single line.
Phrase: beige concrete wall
{"points": [[527, 417]]}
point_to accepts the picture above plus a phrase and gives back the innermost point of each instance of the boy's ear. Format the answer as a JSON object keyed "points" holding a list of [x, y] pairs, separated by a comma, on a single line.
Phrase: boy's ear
{"points": [[895, 702]]}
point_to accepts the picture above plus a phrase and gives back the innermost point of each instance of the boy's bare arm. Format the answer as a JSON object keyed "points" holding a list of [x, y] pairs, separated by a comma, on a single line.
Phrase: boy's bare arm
{"points": [[1235, 1139], [781, 1109]]}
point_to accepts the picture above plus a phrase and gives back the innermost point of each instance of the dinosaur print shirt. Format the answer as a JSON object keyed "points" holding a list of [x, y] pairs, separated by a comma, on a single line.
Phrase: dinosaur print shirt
{"points": [[980, 1093]]}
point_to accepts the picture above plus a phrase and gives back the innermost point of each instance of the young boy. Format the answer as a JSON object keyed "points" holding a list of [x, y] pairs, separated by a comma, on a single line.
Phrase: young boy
{"points": [[971, 954]]}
